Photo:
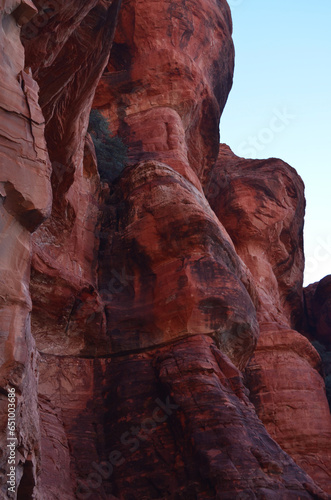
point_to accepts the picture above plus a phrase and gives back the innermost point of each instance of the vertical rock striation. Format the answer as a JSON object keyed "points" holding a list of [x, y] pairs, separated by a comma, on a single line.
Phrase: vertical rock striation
{"points": [[160, 91], [148, 294], [25, 201], [261, 204]]}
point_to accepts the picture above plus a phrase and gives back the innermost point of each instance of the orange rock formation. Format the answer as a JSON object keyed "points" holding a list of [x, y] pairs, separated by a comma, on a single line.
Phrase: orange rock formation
{"points": [[149, 326]]}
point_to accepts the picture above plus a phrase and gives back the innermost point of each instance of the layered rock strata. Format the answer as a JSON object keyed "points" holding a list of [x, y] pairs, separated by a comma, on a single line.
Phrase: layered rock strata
{"points": [[148, 296], [25, 202], [261, 204]]}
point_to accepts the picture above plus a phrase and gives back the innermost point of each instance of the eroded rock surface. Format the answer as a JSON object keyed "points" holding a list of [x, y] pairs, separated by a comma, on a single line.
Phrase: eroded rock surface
{"points": [[25, 201], [318, 310], [26, 192], [317, 325], [177, 425], [160, 91], [171, 293], [148, 295], [261, 204]]}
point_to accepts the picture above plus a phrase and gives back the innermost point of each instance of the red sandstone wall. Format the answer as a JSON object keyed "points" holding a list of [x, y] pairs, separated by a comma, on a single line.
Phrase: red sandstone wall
{"points": [[149, 297]]}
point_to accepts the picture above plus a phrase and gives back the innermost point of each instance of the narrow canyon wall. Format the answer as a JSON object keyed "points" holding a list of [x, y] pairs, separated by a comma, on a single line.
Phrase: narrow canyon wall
{"points": [[135, 316], [25, 198]]}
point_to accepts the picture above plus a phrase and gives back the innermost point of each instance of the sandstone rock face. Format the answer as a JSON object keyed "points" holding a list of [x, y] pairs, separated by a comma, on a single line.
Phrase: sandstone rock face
{"points": [[68, 64], [160, 91], [261, 205], [292, 406], [170, 294], [318, 310], [165, 103], [317, 326], [67, 46], [147, 296], [25, 201], [26, 193], [147, 436]]}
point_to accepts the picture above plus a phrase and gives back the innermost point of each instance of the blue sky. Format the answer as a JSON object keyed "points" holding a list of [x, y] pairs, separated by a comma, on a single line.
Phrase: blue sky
{"points": [[283, 67]]}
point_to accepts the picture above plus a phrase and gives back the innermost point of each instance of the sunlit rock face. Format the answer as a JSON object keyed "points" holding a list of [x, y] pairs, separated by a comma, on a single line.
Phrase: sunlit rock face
{"points": [[261, 204], [164, 98], [149, 300], [160, 91]]}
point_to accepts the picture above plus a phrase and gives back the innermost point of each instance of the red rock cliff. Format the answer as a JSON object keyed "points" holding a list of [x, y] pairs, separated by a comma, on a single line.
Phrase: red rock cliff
{"points": [[158, 300], [261, 204]]}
